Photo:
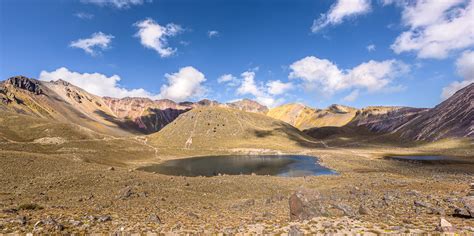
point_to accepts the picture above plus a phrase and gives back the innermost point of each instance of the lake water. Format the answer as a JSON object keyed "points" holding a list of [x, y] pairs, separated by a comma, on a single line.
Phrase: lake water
{"points": [[281, 165]]}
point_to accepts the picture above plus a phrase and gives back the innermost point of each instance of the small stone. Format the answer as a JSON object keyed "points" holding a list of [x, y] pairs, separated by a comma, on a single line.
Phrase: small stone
{"points": [[295, 231], [22, 220], [154, 219], [104, 219], [421, 204], [445, 226], [193, 215], [125, 193], [111, 168], [363, 210], [75, 223]]}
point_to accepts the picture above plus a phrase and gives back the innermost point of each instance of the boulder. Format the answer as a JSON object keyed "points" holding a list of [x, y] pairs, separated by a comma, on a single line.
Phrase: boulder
{"points": [[306, 204], [469, 204]]}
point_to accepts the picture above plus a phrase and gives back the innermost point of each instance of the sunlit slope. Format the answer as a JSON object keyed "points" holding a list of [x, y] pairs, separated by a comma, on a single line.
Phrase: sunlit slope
{"points": [[221, 128], [304, 117], [60, 101], [23, 128]]}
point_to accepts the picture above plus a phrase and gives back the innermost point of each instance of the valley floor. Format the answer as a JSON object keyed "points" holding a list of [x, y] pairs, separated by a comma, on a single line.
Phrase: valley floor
{"points": [[78, 190]]}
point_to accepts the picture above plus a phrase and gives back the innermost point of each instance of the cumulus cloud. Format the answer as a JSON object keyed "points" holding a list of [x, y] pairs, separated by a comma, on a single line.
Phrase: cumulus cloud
{"points": [[352, 96], [276, 87], [370, 47], [429, 22], [155, 36], [339, 11], [95, 83], [264, 94], [84, 15], [120, 4], [212, 33], [184, 84], [323, 75], [98, 41], [228, 79], [465, 69]]}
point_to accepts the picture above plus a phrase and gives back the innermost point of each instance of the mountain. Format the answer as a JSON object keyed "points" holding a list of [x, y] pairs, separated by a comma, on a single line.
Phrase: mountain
{"points": [[452, 118], [60, 101], [147, 115], [248, 105], [150, 116], [222, 128], [304, 117]]}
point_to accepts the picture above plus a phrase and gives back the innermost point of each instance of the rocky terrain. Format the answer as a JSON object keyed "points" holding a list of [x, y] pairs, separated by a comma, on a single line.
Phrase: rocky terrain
{"points": [[69, 163]]}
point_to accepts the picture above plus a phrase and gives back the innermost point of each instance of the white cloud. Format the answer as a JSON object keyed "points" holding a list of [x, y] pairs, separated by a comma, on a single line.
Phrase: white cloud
{"points": [[84, 15], [184, 84], [352, 96], [323, 75], [121, 4], [436, 27], [228, 79], [263, 94], [339, 11], [96, 42], [465, 68], [94, 83], [154, 36], [370, 47], [276, 87], [213, 33]]}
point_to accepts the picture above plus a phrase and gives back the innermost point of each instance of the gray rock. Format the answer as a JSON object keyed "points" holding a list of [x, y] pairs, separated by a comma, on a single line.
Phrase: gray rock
{"points": [[102, 219], [445, 226], [421, 204], [295, 231], [154, 219], [469, 204], [306, 204], [22, 220], [125, 193], [347, 210]]}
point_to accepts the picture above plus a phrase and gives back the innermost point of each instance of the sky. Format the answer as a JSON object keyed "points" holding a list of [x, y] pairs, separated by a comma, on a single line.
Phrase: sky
{"points": [[317, 52]]}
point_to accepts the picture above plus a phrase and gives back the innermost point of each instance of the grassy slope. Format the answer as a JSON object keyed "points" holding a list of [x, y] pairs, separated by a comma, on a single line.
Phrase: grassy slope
{"points": [[223, 128]]}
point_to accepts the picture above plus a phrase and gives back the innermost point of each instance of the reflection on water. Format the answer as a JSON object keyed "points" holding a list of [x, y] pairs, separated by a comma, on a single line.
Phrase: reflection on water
{"points": [[282, 165]]}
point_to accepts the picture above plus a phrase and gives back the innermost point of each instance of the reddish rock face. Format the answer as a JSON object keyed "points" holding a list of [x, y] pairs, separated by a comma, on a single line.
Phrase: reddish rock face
{"points": [[148, 115]]}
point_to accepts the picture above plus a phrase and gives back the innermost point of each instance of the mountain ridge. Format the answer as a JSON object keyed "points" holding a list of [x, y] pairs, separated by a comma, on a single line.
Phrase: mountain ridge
{"points": [[62, 101]]}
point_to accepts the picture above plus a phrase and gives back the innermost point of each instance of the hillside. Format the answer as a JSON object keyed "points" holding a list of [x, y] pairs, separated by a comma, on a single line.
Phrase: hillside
{"points": [[147, 115], [452, 118], [59, 101], [304, 117], [221, 128]]}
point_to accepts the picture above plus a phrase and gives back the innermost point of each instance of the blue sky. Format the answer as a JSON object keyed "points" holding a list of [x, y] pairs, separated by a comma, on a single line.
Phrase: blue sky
{"points": [[352, 52]]}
